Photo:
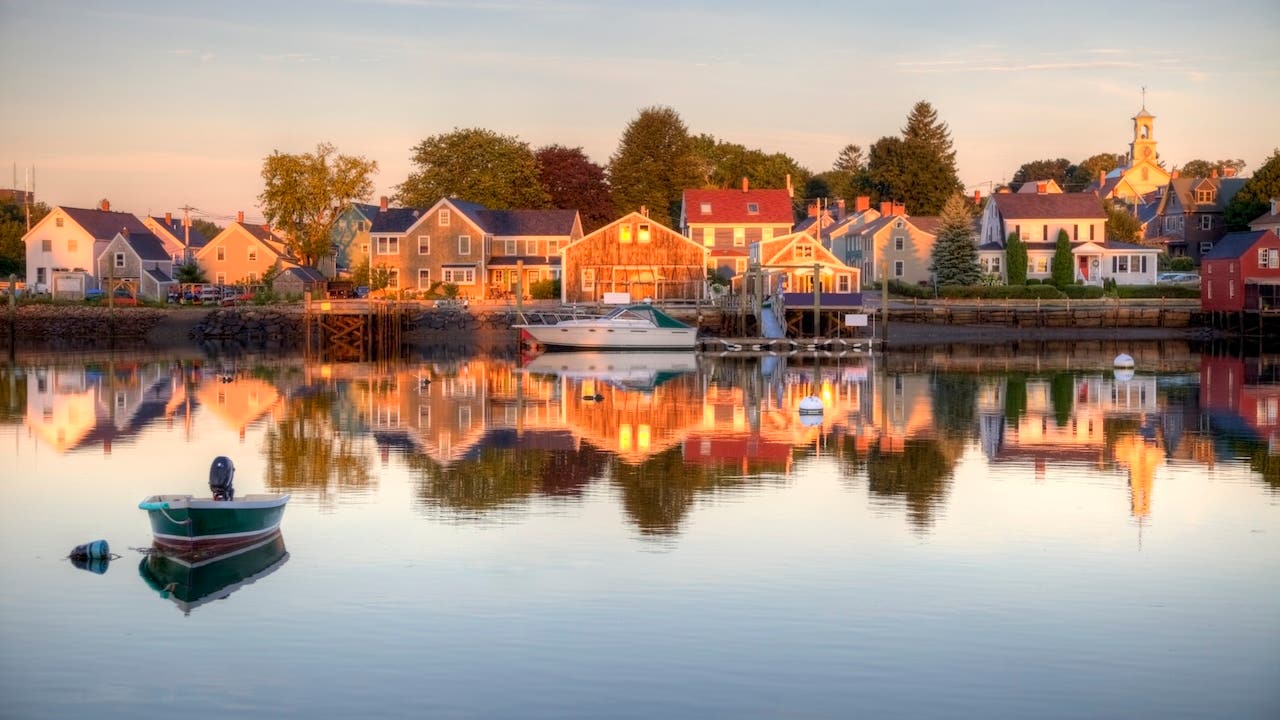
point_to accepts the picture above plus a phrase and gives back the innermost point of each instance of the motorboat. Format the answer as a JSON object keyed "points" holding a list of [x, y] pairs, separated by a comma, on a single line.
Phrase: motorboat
{"points": [[221, 519], [638, 326]]}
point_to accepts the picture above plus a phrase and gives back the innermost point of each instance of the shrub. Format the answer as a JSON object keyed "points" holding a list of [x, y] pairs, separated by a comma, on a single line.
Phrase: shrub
{"points": [[1157, 291], [1182, 264], [897, 287], [1001, 292], [1083, 292], [545, 290]]}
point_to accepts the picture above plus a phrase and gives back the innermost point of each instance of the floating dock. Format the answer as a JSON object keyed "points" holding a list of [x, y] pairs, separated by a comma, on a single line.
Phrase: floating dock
{"points": [[758, 346]]}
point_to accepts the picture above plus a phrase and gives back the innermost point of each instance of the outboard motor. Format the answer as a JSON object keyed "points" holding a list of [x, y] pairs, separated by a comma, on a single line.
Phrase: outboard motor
{"points": [[221, 475]]}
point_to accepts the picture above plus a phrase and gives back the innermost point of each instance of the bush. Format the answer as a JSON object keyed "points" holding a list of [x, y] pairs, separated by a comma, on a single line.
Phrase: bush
{"points": [[897, 287], [1001, 292], [1182, 264], [545, 290], [1083, 292], [1157, 291]]}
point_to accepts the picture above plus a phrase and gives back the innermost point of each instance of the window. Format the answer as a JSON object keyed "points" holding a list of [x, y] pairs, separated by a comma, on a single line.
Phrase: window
{"points": [[1262, 258], [995, 265], [804, 250], [642, 233], [1045, 233], [509, 246], [46, 246], [624, 233], [119, 260], [1091, 226], [40, 275], [460, 276], [705, 208], [553, 247], [589, 279], [897, 268], [387, 245], [1271, 259], [424, 279], [531, 247], [766, 234], [709, 237], [1017, 230], [445, 217], [253, 254], [1075, 231], [393, 279], [222, 252], [753, 208], [900, 224], [464, 244], [220, 278], [364, 249], [1120, 264], [740, 265], [1204, 196], [424, 244], [1041, 264], [739, 237], [252, 277], [1205, 246], [1231, 288], [57, 222], [1206, 222], [72, 244], [898, 243]]}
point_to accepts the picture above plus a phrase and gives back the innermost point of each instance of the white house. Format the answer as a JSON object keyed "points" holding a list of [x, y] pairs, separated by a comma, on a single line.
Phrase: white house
{"points": [[68, 241]]}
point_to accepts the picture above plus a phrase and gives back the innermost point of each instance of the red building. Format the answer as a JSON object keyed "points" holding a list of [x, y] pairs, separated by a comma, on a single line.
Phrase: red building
{"points": [[1241, 273]]}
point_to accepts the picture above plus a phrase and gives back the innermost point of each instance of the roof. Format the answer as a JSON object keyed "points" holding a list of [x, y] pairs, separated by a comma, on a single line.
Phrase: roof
{"points": [[1267, 217], [303, 273], [1234, 245], [393, 220], [1143, 113], [527, 222], [104, 224], [158, 275], [1225, 189], [262, 232], [926, 223], [193, 237], [147, 246], [1016, 206], [731, 206]]}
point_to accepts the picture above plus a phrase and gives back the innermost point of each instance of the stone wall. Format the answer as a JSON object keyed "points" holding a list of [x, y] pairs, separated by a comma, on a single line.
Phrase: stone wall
{"points": [[276, 325], [77, 322]]}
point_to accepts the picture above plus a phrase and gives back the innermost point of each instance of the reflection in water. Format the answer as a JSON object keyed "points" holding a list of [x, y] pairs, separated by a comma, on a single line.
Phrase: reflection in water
{"points": [[195, 576], [480, 434]]}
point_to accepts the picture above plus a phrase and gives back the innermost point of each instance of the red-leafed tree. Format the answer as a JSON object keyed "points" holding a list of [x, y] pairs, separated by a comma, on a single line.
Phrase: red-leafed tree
{"points": [[575, 183]]}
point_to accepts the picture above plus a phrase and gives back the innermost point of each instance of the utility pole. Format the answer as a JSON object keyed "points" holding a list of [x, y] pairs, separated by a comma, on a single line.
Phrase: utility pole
{"points": [[186, 233]]}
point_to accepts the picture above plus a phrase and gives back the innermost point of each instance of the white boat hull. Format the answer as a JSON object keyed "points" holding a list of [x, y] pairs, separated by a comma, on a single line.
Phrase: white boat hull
{"points": [[593, 336]]}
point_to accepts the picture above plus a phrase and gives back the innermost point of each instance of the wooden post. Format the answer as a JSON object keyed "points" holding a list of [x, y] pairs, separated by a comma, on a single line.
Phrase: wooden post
{"points": [[817, 299], [520, 287], [884, 301], [13, 328]]}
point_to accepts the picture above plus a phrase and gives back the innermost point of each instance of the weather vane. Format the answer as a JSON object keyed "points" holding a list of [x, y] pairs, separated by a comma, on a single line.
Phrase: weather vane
{"points": [[1144, 97]]}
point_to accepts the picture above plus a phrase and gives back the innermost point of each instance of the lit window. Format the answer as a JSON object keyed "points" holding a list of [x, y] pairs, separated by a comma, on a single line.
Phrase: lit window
{"points": [[804, 250], [709, 237], [624, 233], [1204, 196], [740, 265], [393, 279], [739, 237], [642, 233]]}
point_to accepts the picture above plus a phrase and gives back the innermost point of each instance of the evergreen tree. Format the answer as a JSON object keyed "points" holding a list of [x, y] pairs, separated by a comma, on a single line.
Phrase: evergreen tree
{"points": [[1062, 269], [653, 165], [474, 164], [955, 253], [920, 167], [1015, 260], [1255, 196]]}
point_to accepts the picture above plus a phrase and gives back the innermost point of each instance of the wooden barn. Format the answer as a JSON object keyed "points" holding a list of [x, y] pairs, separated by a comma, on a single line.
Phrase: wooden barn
{"points": [[637, 256]]}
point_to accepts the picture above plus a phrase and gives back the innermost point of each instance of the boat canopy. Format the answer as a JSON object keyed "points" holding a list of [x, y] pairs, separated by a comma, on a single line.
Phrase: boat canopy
{"points": [[647, 312]]}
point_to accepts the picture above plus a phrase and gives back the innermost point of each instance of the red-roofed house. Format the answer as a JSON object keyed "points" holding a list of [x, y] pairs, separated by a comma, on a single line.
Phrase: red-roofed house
{"points": [[727, 222]]}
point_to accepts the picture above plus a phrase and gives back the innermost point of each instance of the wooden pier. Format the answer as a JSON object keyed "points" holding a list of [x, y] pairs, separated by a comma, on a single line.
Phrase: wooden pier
{"points": [[353, 329], [761, 347]]}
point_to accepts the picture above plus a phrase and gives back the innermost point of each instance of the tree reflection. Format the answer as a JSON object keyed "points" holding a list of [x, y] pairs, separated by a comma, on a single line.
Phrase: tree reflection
{"points": [[657, 493], [305, 451], [500, 477], [1062, 393], [13, 395], [955, 401], [920, 476], [1015, 398]]}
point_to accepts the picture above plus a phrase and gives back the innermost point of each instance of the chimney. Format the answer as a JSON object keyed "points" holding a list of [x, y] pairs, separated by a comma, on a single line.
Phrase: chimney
{"points": [[840, 209], [1214, 174], [886, 208], [813, 209], [105, 205], [382, 204], [168, 219], [862, 203], [644, 210], [1174, 175], [899, 208], [791, 192], [1042, 188], [745, 186], [1228, 172], [977, 197], [125, 232], [1275, 206], [239, 216], [1102, 178]]}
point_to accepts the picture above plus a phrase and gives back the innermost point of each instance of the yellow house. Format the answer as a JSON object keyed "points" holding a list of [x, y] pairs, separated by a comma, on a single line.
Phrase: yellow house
{"points": [[242, 253]]}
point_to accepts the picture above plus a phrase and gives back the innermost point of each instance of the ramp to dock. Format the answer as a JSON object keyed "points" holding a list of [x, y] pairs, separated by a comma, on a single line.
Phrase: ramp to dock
{"points": [[770, 325]]}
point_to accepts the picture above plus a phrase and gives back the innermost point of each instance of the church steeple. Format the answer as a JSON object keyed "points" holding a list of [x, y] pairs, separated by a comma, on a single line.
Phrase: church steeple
{"points": [[1143, 146]]}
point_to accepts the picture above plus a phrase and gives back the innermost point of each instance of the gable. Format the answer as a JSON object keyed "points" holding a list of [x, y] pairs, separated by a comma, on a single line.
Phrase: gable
{"points": [[786, 255], [429, 224], [632, 218]]}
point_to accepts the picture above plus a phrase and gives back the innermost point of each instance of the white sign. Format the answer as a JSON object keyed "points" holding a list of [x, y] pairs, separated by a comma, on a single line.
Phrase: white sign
{"points": [[617, 298], [855, 320]]}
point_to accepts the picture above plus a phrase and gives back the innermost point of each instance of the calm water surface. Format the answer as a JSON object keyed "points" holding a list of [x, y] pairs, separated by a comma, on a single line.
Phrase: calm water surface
{"points": [[638, 537]]}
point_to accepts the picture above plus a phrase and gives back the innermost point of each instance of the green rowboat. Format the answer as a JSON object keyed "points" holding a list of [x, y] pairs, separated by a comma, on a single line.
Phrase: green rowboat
{"points": [[193, 576], [184, 520]]}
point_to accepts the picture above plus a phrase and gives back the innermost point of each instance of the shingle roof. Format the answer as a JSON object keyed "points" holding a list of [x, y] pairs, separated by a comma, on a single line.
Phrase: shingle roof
{"points": [[147, 246], [393, 220], [925, 223], [196, 239], [303, 273], [1225, 189], [1233, 245], [1266, 217], [104, 224], [158, 275], [527, 222], [1013, 206], [730, 206]]}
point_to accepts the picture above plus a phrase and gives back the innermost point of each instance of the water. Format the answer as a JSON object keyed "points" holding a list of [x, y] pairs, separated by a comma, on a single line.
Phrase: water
{"points": [[587, 538]]}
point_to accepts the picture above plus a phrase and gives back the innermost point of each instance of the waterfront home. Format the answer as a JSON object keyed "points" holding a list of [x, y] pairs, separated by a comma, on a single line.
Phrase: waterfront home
{"points": [[242, 253], [633, 258], [899, 244], [67, 241], [350, 233], [523, 247], [180, 239], [1241, 273], [790, 263], [1190, 216], [137, 264], [727, 222]]}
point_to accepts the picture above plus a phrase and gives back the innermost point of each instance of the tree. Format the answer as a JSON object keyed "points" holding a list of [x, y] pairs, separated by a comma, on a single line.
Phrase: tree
{"points": [[955, 253], [188, 273], [1088, 170], [13, 226], [1057, 170], [725, 164], [654, 163], [1205, 168], [850, 160], [207, 228], [1062, 269], [1015, 260], [1122, 226], [477, 165], [920, 167], [573, 182], [304, 195], [1255, 196]]}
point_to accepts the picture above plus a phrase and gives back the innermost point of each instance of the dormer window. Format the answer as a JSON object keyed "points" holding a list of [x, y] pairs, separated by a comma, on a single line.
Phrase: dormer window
{"points": [[753, 208], [705, 208], [1204, 196]]}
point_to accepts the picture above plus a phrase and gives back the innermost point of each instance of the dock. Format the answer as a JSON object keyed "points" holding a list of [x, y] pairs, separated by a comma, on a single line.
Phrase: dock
{"points": [[762, 347]]}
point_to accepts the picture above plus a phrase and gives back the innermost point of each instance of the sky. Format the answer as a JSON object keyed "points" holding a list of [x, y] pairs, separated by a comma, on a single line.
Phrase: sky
{"points": [[157, 105]]}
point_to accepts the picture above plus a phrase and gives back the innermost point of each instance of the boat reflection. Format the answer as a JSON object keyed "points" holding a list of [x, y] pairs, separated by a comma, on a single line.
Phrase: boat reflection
{"points": [[193, 577], [634, 370]]}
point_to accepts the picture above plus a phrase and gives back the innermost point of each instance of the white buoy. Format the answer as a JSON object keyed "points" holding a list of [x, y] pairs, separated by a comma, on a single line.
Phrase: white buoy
{"points": [[1124, 374], [1124, 361], [811, 405]]}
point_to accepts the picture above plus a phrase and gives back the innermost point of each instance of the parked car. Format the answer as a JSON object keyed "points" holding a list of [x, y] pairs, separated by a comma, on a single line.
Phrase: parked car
{"points": [[1178, 278]]}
